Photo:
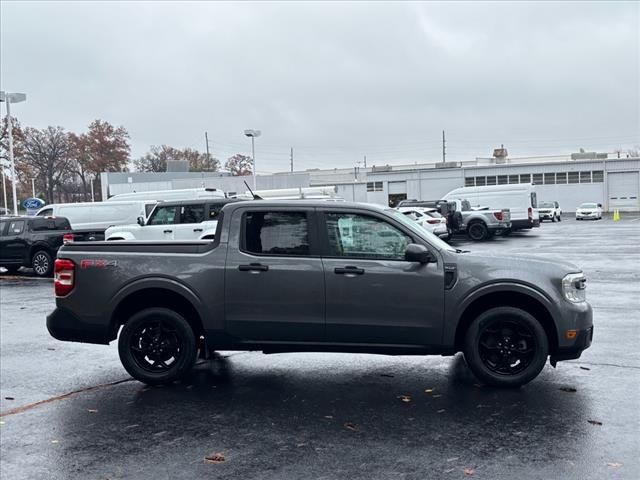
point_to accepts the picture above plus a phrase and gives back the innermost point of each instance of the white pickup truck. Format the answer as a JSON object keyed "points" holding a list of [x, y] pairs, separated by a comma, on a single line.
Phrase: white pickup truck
{"points": [[180, 220]]}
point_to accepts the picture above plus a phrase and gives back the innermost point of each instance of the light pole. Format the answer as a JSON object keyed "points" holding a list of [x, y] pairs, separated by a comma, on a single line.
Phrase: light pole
{"points": [[33, 188], [4, 190], [12, 98], [253, 134]]}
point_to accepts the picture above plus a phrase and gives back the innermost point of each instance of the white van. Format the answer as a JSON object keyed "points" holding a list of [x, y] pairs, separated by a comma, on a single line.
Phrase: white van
{"points": [[519, 198], [168, 195], [89, 220]]}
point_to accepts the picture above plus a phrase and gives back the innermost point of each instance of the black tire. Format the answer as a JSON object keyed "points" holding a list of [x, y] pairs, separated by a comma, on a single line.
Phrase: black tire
{"points": [[157, 346], [501, 364], [42, 263], [477, 231], [559, 218], [553, 219]]}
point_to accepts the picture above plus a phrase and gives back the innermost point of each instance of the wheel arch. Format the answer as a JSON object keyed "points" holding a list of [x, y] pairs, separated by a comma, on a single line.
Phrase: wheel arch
{"points": [[156, 293], [507, 298], [38, 246]]}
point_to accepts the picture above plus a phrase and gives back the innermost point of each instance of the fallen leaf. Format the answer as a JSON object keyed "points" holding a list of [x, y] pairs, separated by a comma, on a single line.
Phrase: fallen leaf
{"points": [[9, 398], [428, 390], [614, 464], [350, 426], [92, 410], [469, 471], [585, 368], [568, 389], [594, 422], [214, 458], [405, 398]]}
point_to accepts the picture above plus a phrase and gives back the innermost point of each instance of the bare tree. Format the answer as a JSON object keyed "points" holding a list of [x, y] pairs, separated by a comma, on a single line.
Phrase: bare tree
{"points": [[239, 165], [156, 159]]}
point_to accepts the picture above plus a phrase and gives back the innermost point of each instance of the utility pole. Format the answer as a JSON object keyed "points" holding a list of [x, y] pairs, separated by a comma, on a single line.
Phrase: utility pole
{"points": [[33, 187], [206, 143], [4, 189], [365, 161], [444, 148], [291, 157]]}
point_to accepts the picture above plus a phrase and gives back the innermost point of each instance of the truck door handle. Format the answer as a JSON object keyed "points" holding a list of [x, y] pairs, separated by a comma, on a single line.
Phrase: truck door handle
{"points": [[253, 267], [168, 231], [349, 270], [197, 229]]}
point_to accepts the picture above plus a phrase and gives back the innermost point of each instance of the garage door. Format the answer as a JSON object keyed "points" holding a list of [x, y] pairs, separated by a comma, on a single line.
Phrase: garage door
{"points": [[624, 191], [397, 193]]}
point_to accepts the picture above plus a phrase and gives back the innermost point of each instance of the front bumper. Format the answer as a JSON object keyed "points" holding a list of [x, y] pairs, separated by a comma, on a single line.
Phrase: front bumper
{"points": [[579, 319], [64, 325], [586, 215]]}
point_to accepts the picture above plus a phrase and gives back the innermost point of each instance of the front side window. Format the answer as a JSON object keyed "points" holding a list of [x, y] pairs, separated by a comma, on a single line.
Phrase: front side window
{"points": [[362, 236], [192, 213], [276, 233], [3, 225], [163, 216]]}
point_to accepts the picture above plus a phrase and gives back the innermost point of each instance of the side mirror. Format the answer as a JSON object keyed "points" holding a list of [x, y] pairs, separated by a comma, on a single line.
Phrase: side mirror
{"points": [[418, 253], [141, 221], [600, 205]]}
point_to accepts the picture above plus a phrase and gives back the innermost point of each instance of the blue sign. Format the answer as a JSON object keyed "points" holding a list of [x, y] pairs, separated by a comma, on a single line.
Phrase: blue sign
{"points": [[33, 203]]}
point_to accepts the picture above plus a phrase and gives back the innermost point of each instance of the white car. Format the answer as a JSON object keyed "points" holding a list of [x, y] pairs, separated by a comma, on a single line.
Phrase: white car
{"points": [[184, 220], [589, 210], [427, 218], [550, 211]]}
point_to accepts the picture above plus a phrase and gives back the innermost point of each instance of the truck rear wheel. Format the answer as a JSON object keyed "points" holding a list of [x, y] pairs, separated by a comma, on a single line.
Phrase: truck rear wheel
{"points": [[478, 231], [506, 347], [42, 263], [157, 346]]}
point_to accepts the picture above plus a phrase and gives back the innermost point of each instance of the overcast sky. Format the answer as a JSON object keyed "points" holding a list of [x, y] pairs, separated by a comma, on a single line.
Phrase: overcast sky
{"points": [[335, 81]]}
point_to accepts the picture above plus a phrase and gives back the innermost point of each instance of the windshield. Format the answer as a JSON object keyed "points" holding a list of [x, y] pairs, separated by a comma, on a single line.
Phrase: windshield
{"points": [[546, 205], [588, 205], [418, 230]]}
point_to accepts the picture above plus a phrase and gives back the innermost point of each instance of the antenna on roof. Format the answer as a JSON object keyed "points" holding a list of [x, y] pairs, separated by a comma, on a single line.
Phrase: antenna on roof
{"points": [[255, 197]]}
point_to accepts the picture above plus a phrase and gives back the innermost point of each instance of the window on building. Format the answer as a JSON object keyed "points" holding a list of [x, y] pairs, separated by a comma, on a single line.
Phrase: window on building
{"points": [[469, 182], [276, 233], [598, 176], [549, 178], [561, 177], [513, 179], [537, 178], [573, 177], [374, 187], [585, 177], [491, 180], [362, 236], [502, 179], [525, 178], [481, 181]]}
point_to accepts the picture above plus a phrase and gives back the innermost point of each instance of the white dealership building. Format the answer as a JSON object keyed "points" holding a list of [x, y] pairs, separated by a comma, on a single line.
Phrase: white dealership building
{"points": [[570, 179]]}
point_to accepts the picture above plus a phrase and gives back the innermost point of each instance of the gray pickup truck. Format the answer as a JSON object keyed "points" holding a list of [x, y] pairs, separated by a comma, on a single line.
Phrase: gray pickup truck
{"points": [[318, 276]]}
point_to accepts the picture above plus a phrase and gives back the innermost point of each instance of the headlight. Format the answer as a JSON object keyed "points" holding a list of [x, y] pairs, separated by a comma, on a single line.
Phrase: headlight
{"points": [[574, 287]]}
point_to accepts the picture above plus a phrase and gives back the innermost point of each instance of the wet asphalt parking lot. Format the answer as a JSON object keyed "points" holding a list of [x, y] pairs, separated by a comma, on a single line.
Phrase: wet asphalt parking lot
{"points": [[69, 411]]}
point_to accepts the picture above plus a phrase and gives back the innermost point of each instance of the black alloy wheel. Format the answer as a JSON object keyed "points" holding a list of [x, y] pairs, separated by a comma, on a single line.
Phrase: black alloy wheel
{"points": [[478, 231], [42, 263]]}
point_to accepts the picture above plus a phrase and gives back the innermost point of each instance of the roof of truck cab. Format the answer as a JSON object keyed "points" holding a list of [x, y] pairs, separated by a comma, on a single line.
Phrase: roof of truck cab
{"points": [[215, 201], [309, 204]]}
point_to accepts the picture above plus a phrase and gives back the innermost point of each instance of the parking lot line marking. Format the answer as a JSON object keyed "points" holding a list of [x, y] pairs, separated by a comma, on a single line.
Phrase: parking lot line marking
{"points": [[29, 406]]}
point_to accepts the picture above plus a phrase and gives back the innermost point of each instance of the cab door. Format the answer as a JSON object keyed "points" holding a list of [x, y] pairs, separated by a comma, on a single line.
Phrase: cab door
{"points": [[190, 218], [161, 224], [274, 280], [374, 296], [14, 245]]}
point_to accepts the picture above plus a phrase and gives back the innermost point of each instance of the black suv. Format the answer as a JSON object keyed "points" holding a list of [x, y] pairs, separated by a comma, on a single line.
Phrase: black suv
{"points": [[31, 242]]}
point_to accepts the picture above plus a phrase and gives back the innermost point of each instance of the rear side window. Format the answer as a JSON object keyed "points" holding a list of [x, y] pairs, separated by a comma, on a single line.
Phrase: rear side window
{"points": [[42, 224], [3, 225], [62, 224], [534, 200], [192, 213], [16, 227], [276, 233]]}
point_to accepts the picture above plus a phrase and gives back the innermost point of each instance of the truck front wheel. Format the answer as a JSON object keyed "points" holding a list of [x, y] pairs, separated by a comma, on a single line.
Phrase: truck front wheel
{"points": [[157, 346], [506, 347]]}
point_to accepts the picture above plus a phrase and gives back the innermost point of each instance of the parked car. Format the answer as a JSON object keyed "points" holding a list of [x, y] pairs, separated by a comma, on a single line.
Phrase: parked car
{"points": [[89, 220], [436, 225], [550, 211], [520, 199], [31, 242], [183, 220], [294, 276], [588, 210]]}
